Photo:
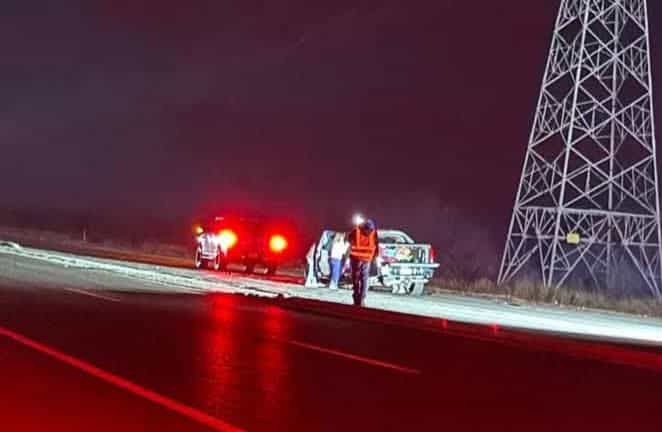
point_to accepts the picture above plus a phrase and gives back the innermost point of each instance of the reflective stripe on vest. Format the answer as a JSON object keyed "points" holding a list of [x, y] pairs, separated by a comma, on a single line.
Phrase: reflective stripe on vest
{"points": [[363, 247]]}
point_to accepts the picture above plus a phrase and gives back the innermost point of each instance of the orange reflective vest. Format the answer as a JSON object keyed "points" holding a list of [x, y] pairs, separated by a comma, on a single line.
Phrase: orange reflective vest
{"points": [[363, 246]]}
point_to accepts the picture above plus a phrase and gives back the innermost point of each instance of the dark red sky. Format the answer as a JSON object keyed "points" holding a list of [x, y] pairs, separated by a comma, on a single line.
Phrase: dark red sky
{"points": [[318, 106]]}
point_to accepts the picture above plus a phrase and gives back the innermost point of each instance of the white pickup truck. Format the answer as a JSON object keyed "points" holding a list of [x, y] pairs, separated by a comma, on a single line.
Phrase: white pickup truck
{"points": [[402, 265]]}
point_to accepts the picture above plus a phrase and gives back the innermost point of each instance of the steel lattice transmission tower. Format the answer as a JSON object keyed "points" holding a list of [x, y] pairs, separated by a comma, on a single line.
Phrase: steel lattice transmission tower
{"points": [[588, 202]]}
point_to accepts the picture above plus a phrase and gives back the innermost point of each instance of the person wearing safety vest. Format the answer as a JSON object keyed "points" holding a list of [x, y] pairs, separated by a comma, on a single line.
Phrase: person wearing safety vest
{"points": [[364, 247]]}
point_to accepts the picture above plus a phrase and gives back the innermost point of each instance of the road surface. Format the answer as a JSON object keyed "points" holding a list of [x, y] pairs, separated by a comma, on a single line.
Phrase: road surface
{"points": [[165, 275], [88, 349]]}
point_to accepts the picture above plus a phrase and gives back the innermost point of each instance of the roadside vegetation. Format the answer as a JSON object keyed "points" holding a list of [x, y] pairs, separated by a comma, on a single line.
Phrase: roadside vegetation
{"points": [[534, 292], [85, 241]]}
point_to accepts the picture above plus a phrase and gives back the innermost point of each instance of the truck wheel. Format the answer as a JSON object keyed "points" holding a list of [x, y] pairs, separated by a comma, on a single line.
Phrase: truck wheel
{"points": [[219, 261], [271, 269], [416, 289], [198, 261], [306, 282]]}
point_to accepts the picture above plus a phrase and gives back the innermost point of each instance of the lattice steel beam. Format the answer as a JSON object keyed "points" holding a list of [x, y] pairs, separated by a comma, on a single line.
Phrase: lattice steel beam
{"points": [[588, 195]]}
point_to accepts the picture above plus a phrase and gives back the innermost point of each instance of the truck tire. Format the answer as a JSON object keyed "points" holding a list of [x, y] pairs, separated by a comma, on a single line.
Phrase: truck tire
{"points": [[219, 263], [271, 269], [416, 289], [198, 261]]}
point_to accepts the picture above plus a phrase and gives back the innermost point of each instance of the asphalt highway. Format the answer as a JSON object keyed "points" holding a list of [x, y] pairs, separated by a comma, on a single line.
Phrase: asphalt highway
{"points": [[88, 350]]}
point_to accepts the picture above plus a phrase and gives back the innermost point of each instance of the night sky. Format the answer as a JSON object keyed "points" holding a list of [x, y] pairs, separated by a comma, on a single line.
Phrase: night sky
{"points": [[415, 112]]}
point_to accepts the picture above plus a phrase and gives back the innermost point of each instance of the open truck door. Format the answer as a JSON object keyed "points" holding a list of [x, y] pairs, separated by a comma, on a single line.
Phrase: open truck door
{"points": [[317, 260]]}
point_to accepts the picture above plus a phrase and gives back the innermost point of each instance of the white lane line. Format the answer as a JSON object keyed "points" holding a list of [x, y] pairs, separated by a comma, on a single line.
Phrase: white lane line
{"points": [[91, 294], [123, 383], [355, 357]]}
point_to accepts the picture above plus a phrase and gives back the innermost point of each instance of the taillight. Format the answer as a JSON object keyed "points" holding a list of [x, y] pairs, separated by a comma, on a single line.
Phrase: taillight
{"points": [[227, 238], [433, 255], [277, 243]]}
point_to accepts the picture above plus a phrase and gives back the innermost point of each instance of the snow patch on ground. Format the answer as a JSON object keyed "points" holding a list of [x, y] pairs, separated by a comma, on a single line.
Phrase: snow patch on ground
{"points": [[156, 274], [9, 244], [470, 310]]}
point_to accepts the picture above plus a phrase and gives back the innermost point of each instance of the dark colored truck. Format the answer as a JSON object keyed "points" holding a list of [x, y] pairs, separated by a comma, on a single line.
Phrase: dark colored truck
{"points": [[245, 241]]}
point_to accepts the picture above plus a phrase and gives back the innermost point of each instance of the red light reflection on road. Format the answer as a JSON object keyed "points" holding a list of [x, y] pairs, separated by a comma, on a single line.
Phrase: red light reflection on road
{"points": [[236, 357], [219, 348], [444, 324], [224, 308], [272, 360], [276, 322]]}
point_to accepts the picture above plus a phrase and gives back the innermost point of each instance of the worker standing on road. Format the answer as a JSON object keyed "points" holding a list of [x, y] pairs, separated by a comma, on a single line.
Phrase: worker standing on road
{"points": [[339, 248], [364, 247]]}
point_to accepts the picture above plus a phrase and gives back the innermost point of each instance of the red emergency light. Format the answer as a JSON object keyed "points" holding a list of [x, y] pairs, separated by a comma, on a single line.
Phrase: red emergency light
{"points": [[277, 243], [227, 238]]}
